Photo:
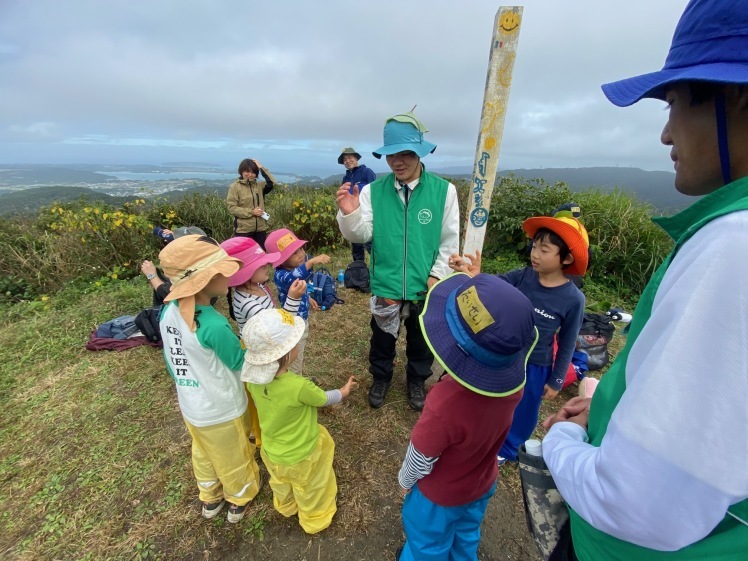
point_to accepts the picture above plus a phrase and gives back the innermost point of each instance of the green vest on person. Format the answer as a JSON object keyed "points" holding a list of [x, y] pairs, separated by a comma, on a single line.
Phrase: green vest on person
{"points": [[405, 240], [730, 536]]}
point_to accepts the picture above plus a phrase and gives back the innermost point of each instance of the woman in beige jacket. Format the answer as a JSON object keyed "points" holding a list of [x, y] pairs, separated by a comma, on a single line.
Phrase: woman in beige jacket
{"points": [[246, 201]]}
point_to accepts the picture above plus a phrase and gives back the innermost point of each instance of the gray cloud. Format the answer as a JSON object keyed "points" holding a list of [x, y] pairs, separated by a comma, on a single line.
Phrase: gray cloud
{"points": [[295, 81]]}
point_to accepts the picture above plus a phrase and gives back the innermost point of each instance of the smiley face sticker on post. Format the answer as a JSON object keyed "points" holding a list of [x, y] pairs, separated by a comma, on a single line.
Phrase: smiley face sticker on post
{"points": [[509, 22]]}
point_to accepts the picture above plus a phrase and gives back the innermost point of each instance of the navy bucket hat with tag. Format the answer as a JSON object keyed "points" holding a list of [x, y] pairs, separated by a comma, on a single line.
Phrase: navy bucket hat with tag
{"points": [[481, 330], [710, 44]]}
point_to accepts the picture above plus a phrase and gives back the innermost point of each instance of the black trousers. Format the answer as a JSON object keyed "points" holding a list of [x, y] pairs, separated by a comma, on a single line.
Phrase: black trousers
{"points": [[259, 237], [357, 250], [382, 350], [564, 550]]}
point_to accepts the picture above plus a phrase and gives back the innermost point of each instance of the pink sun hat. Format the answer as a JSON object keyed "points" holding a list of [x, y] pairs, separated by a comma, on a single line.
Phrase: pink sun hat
{"points": [[285, 242], [250, 254]]}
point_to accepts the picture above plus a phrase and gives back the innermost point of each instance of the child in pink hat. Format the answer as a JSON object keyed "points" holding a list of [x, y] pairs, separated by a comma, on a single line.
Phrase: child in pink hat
{"points": [[251, 294], [293, 265]]}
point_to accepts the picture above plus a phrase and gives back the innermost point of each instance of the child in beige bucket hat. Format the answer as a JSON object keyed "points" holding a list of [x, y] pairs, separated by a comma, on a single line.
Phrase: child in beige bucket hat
{"points": [[205, 358], [296, 450]]}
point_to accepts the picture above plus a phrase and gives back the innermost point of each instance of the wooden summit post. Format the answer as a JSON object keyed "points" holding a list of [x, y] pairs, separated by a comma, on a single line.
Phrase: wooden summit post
{"points": [[506, 28]]}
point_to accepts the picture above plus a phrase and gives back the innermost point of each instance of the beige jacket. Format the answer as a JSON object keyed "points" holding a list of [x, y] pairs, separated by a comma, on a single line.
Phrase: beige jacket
{"points": [[243, 197]]}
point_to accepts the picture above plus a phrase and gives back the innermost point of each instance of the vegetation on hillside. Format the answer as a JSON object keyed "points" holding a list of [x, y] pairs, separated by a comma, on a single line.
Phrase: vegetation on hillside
{"points": [[91, 242]]}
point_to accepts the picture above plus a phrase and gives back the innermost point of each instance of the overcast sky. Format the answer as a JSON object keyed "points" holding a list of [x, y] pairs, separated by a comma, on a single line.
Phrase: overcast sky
{"points": [[292, 82]]}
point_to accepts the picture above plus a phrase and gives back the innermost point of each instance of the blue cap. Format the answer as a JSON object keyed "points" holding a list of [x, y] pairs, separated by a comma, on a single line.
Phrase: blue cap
{"points": [[710, 44], [404, 133]]}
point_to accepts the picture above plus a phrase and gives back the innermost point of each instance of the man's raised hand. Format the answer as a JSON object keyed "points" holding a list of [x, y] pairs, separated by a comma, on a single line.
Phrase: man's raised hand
{"points": [[347, 202]]}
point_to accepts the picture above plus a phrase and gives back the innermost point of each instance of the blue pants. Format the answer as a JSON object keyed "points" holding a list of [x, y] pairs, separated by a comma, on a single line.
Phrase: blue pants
{"points": [[436, 533], [526, 414]]}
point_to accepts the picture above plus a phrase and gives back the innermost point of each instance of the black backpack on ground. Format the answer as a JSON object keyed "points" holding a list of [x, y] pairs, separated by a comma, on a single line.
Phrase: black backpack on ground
{"points": [[147, 322], [357, 276], [594, 336]]}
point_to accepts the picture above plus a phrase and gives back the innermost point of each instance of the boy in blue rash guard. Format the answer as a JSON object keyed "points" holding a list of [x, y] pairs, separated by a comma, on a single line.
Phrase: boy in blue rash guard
{"points": [[293, 265], [560, 247]]}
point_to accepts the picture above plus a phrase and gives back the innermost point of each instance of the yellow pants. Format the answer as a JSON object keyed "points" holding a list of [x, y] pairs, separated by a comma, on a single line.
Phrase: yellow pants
{"points": [[223, 461], [308, 487], [253, 418]]}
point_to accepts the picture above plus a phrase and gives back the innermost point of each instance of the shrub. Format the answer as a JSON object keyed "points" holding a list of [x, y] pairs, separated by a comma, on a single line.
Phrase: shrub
{"points": [[626, 245]]}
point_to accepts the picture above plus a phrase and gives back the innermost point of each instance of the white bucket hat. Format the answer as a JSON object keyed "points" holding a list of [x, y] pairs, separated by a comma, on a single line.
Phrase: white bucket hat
{"points": [[268, 336]]}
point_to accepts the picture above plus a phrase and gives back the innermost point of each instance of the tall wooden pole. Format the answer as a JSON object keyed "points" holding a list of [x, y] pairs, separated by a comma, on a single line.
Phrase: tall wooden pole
{"points": [[506, 29]]}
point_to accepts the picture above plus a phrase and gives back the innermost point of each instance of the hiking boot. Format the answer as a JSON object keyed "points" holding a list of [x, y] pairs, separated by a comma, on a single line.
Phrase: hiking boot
{"points": [[377, 393], [416, 395], [210, 510], [236, 513]]}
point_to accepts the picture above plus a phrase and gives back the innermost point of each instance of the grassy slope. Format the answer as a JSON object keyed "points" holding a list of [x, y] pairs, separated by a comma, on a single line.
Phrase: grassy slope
{"points": [[95, 460]]}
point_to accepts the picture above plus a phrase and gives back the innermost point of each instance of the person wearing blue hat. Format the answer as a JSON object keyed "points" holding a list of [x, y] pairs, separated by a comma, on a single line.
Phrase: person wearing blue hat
{"points": [[413, 221], [655, 465], [481, 330]]}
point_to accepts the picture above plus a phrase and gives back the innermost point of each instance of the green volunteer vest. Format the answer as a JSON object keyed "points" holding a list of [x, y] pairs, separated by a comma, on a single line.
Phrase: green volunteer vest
{"points": [[730, 537], [405, 241]]}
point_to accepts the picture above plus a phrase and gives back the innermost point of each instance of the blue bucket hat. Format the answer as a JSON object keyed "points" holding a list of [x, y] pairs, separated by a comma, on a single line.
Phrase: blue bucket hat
{"points": [[710, 44], [404, 133], [481, 330]]}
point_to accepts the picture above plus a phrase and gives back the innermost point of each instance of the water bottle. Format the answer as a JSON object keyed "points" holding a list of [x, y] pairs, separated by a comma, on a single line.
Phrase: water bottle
{"points": [[341, 278], [534, 447]]}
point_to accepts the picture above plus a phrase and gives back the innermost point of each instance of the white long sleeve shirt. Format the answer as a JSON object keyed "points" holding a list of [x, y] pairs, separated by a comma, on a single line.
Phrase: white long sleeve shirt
{"points": [[357, 226], [675, 454]]}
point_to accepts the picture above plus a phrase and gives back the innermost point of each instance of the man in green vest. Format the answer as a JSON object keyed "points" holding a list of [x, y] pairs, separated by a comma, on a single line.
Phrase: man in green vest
{"points": [[412, 219], [656, 465]]}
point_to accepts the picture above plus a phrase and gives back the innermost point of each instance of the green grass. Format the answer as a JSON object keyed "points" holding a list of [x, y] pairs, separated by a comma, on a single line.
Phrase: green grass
{"points": [[95, 459]]}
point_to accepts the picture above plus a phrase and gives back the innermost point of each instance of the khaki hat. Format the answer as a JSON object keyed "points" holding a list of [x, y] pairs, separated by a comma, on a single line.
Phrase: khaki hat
{"points": [[347, 151], [268, 337], [190, 262]]}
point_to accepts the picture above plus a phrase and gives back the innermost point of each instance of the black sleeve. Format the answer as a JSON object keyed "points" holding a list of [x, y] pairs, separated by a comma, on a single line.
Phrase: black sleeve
{"points": [[268, 183]]}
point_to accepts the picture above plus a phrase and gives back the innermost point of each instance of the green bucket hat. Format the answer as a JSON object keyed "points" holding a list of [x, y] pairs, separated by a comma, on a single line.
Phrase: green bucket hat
{"points": [[346, 151], [402, 133]]}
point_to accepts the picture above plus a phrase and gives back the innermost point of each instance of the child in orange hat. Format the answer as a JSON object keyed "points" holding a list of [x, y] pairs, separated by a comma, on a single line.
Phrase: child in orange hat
{"points": [[560, 247]]}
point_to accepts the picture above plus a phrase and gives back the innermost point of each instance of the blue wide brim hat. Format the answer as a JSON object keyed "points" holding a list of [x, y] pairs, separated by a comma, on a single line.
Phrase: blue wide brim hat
{"points": [[710, 44], [481, 330], [403, 133]]}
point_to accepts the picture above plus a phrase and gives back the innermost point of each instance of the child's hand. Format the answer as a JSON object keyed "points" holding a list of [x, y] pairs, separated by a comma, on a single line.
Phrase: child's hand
{"points": [[297, 289], [313, 303], [549, 392], [148, 268], [470, 264], [321, 259], [351, 384]]}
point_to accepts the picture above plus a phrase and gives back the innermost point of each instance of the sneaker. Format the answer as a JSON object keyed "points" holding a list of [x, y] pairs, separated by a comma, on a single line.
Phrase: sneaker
{"points": [[416, 395], [236, 513], [377, 393], [210, 510], [501, 460]]}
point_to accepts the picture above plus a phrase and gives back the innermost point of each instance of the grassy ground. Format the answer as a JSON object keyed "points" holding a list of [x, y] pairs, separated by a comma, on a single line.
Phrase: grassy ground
{"points": [[95, 459]]}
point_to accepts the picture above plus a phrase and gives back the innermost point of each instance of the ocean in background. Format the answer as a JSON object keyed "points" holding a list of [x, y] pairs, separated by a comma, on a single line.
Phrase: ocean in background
{"points": [[171, 175]]}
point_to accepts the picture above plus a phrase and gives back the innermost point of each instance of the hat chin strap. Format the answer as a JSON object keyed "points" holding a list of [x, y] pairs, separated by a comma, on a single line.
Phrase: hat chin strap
{"points": [[724, 149]]}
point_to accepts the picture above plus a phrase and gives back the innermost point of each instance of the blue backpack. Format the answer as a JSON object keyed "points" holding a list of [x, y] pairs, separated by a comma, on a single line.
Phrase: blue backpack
{"points": [[325, 293]]}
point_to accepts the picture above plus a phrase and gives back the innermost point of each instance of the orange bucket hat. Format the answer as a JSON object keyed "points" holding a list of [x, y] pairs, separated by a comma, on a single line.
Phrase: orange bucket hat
{"points": [[571, 231], [190, 262]]}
